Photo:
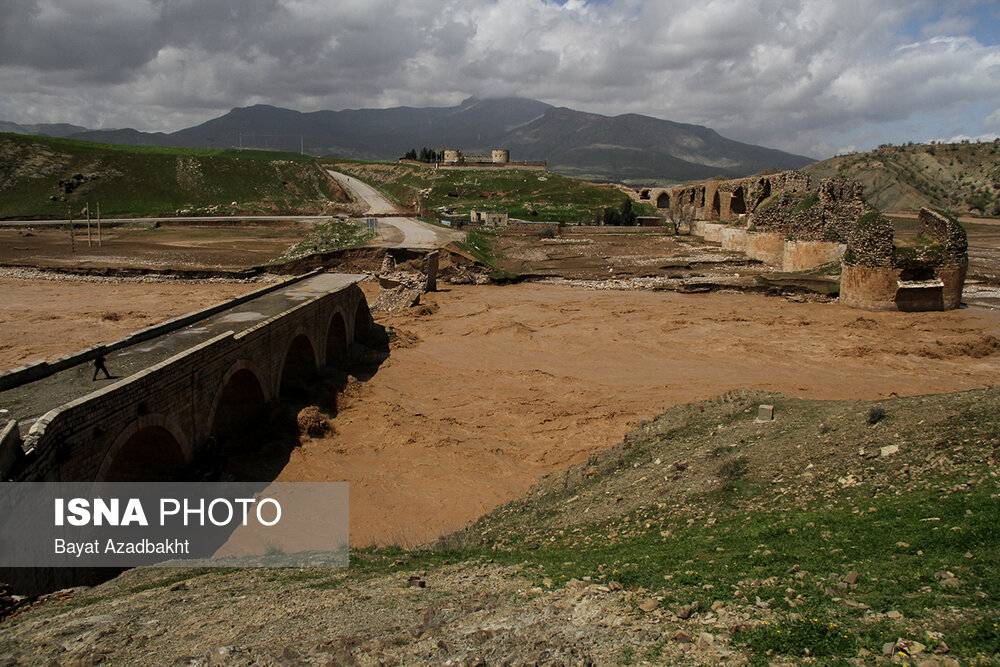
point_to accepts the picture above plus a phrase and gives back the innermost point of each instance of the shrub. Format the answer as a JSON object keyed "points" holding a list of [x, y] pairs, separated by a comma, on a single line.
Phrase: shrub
{"points": [[876, 413], [312, 422]]}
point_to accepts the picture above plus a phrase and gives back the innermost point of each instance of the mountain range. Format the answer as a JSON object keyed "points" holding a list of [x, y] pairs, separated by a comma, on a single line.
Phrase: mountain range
{"points": [[628, 148]]}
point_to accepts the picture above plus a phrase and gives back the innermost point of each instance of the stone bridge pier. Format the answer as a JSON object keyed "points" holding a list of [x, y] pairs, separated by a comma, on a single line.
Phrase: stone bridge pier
{"points": [[153, 424]]}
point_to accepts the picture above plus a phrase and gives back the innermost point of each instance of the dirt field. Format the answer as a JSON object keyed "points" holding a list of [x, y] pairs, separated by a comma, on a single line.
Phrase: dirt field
{"points": [[170, 245], [44, 319], [489, 388]]}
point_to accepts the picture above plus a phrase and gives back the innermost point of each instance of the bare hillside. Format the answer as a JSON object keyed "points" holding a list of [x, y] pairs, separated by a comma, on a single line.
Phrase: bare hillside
{"points": [[964, 178]]}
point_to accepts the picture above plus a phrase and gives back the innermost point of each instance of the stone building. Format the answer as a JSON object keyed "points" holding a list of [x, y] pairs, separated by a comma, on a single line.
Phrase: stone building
{"points": [[489, 218]]}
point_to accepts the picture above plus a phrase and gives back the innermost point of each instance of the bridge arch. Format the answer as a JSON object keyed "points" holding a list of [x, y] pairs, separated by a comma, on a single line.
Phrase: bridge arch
{"points": [[716, 211], [738, 203], [239, 401], [150, 449], [299, 366], [362, 321], [336, 339], [663, 200]]}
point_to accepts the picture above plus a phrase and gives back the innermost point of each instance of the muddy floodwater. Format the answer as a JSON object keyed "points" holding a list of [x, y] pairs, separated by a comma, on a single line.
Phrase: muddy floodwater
{"points": [[489, 388]]}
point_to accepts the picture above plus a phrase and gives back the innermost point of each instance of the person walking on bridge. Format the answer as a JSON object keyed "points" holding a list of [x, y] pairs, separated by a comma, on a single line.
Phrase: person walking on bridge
{"points": [[99, 365]]}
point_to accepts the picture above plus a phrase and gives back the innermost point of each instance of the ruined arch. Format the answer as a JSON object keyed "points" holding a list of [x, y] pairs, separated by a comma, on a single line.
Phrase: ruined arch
{"points": [[644, 193], [663, 200], [716, 207], [299, 366], [336, 340], [738, 203], [150, 449], [239, 403]]}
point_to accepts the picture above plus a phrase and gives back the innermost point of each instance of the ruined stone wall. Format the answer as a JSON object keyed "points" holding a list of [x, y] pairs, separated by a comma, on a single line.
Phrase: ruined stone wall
{"points": [[825, 215], [727, 200], [916, 276], [869, 243], [946, 231]]}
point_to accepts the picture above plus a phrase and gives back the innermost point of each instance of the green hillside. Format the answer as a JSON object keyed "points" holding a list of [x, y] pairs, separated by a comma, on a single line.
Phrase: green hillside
{"points": [[42, 177], [964, 178], [529, 195]]}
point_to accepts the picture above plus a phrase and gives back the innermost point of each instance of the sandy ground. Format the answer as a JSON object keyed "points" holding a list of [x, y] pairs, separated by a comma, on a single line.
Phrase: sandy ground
{"points": [[490, 388], [170, 245], [44, 319]]}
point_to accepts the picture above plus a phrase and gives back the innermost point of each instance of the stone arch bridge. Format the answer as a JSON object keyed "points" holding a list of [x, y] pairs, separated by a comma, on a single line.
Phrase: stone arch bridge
{"points": [[154, 423]]}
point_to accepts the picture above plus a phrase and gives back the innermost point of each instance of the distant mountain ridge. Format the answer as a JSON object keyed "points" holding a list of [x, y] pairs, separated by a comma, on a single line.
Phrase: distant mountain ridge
{"points": [[630, 148]]}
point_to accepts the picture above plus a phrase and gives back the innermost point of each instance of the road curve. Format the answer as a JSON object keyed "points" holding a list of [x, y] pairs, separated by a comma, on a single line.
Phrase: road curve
{"points": [[405, 232]]}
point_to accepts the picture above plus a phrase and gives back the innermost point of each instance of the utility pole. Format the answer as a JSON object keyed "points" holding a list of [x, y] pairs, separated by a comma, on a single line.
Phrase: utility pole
{"points": [[302, 145], [89, 244], [100, 241]]}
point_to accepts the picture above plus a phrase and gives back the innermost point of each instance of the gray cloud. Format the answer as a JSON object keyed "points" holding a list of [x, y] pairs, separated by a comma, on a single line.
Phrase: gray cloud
{"points": [[795, 74]]}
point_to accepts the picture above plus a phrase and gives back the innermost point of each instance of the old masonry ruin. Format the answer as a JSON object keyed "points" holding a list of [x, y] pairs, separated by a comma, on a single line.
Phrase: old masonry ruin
{"points": [[785, 222]]}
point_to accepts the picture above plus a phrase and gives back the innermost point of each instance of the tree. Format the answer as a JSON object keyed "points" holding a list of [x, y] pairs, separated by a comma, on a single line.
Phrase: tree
{"points": [[411, 154], [626, 215]]}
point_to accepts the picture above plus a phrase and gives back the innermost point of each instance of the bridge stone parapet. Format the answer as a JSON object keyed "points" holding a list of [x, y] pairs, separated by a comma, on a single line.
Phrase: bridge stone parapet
{"points": [[40, 369], [155, 423]]}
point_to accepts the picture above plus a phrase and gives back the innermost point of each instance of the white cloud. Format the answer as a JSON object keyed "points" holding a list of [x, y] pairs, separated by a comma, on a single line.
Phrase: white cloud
{"points": [[785, 73]]}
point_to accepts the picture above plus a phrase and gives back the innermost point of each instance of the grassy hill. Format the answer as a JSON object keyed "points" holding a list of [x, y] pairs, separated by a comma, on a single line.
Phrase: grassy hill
{"points": [[839, 533], [963, 178], [42, 177], [529, 195]]}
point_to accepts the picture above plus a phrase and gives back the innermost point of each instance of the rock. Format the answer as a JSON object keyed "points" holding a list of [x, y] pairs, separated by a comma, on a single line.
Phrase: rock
{"points": [[649, 605], [851, 578], [904, 545], [894, 615], [705, 640], [951, 582], [686, 611], [717, 605], [910, 647], [683, 637], [681, 465], [888, 648], [888, 450], [179, 586], [765, 413], [416, 581]]}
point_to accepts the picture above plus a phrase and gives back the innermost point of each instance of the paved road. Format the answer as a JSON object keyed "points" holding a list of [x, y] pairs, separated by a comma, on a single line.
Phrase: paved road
{"points": [[32, 400], [404, 232]]}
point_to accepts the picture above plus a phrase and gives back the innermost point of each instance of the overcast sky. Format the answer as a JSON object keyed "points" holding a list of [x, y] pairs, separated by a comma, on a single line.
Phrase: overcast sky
{"points": [[809, 76]]}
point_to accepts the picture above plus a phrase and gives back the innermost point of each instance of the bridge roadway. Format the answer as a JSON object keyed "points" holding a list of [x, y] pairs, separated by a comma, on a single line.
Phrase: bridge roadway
{"points": [[292, 329]]}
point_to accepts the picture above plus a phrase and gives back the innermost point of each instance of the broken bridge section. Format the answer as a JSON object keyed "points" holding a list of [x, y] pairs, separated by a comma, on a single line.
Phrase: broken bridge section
{"points": [[198, 384]]}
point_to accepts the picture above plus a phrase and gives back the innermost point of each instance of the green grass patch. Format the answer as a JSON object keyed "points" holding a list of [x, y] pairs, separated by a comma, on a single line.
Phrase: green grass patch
{"points": [[48, 178], [529, 195], [479, 244], [327, 236]]}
